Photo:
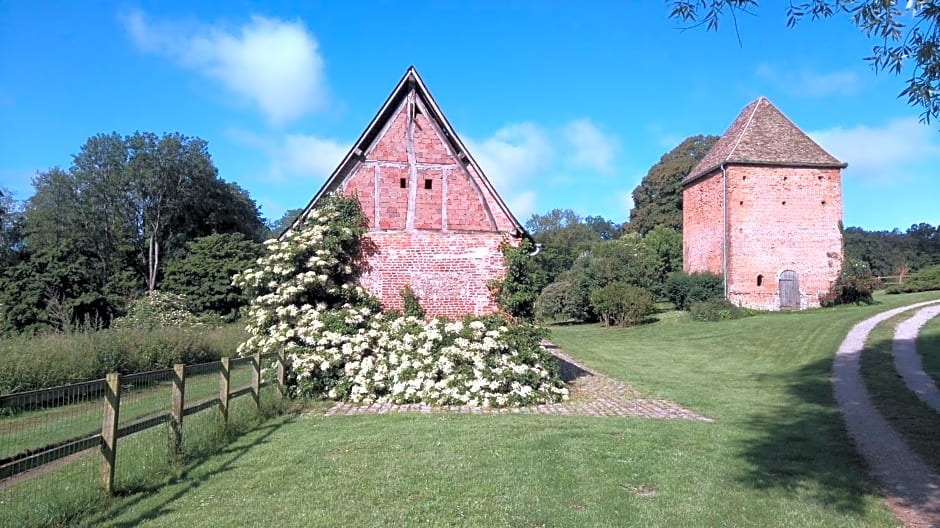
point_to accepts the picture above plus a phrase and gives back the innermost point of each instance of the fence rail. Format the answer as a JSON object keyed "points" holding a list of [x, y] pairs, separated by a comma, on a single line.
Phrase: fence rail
{"points": [[141, 392]]}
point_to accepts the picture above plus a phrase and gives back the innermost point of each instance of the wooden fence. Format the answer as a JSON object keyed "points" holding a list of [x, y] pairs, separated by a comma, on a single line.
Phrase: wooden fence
{"points": [[112, 430]]}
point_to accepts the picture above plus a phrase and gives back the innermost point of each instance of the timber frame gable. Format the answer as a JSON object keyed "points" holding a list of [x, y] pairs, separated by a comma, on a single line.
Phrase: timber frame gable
{"points": [[410, 107]]}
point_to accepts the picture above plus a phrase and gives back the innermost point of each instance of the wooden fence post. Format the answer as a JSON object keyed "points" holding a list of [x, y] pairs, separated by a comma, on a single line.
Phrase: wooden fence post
{"points": [[109, 428], [256, 379], [281, 373], [176, 406], [224, 377]]}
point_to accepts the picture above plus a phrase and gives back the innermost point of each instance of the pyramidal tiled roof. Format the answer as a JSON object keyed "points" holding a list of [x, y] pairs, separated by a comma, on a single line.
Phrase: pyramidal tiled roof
{"points": [[762, 135]]}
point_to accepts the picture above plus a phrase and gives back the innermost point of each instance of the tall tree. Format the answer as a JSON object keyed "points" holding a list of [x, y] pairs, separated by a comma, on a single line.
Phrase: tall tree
{"points": [[92, 236], [657, 201], [165, 173], [10, 238], [902, 46]]}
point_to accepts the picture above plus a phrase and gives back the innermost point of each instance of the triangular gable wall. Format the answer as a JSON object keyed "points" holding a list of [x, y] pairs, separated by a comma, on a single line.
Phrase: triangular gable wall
{"points": [[410, 171]]}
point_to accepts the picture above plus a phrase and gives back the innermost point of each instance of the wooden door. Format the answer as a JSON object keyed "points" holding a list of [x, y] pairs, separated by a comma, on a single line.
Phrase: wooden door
{"points": [[789, 290]]}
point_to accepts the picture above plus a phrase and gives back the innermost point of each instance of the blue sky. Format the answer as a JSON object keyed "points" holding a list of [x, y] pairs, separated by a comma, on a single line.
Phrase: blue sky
{"points": [[564, 104]]}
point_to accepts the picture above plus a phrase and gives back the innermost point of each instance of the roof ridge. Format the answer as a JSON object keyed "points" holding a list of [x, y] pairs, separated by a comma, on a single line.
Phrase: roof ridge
{"points": [[744, 129]]}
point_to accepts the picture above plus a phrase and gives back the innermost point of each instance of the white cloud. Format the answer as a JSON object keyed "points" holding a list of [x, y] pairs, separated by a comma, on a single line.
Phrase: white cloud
{"points": [[295, 156], [273, 64], [304, 154], [513, 154], [880, 154], [812, 84], [591, 148], [522, 205], [521, 158]]}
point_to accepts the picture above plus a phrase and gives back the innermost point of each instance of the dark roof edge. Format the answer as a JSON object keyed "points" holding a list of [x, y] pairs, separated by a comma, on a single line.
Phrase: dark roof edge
{"points": [[711, 170]]}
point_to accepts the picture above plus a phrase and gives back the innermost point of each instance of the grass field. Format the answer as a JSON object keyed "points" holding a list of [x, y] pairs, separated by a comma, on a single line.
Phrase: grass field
{"points": [[36, 429], [777, 455]]}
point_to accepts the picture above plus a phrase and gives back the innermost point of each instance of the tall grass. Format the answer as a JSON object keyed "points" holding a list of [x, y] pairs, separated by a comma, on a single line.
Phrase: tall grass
{"points": [[28, 363]]}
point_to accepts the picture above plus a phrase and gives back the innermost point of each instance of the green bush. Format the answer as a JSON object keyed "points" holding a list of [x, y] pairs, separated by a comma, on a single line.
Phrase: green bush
{"points": [[683, 289], [717, 310], [621, 304], [411, 303], [561, 301], [58, 359], [926, 279], [854, 285], [519, 288]]}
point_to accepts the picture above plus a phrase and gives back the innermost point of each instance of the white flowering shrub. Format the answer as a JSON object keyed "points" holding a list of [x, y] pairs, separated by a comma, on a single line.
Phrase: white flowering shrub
{"points": [[158, 309], [339, 343]]}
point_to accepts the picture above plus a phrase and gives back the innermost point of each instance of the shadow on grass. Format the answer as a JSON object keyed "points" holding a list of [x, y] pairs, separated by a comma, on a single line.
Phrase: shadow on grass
{"points": [[802, 445], [191, 478]]}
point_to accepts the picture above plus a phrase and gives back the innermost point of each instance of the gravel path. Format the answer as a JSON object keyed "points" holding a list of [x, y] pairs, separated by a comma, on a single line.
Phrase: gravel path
{"points": [[911, 488], [592, 394], [907, 361]]}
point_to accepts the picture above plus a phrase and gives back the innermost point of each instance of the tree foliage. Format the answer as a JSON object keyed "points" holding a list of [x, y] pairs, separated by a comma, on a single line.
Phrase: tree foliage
{"points": [[906, 33], [563, 236], [657, 200], [630, 261], [9, 228], [276, 227], [95, 234], [893, 253], [515, 293], [203, 274]]}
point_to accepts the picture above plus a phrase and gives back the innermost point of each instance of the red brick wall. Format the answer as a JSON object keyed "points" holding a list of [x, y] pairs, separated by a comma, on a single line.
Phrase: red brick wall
{"points": [[448, 271], [779, 219], [782, 219], [440, 233], [701, 225]]}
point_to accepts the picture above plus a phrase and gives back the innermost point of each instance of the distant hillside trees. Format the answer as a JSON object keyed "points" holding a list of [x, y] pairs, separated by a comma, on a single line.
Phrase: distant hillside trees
{"points": [[99, 233], [894, 253]]}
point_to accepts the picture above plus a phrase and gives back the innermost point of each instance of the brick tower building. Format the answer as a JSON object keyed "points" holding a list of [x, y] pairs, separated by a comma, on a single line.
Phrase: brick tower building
{"points": [[764, 209], [435, 221]]}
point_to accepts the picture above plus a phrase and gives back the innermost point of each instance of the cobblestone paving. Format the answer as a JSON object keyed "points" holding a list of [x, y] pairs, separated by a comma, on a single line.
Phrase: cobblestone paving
{"points": [[592, 394]]}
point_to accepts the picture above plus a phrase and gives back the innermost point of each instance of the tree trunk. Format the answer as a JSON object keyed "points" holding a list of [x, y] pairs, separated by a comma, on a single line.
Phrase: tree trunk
{"points": [[152, 263]]}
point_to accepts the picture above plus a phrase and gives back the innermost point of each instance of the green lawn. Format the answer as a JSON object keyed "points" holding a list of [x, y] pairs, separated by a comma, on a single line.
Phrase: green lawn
{"points": [[36, 429], [777, 455], [928, 346]]}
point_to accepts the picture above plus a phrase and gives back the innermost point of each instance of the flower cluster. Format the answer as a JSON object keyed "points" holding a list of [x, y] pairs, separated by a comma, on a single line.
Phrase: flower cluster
{"points": [[339, 343], [158, 309]]}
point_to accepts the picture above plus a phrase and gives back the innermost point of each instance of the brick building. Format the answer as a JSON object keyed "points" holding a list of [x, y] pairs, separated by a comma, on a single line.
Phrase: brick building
{"points": [[763, 209], [435, 220]]}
